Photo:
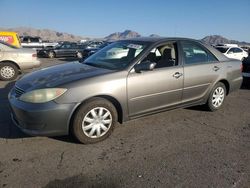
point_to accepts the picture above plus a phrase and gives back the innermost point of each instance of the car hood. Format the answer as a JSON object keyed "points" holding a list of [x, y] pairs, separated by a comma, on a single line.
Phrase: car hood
{"points": [[59, 75]]}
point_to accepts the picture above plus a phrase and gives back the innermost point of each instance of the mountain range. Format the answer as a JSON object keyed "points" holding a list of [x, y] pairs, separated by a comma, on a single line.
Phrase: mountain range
{"points": [[217, 39], [47, 34], [122, 35]]}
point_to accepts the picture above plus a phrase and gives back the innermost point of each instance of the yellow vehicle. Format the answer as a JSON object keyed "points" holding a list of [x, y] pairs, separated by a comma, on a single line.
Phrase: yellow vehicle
{"points": [[11, 38]]}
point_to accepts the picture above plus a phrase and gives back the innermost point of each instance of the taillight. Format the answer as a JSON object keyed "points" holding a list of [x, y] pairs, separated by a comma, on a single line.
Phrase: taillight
{"points": [[34, 55]]}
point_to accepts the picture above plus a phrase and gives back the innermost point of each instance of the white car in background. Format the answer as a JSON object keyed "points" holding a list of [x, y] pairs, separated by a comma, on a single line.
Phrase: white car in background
{"points": [[233, 52], [13, 60]]}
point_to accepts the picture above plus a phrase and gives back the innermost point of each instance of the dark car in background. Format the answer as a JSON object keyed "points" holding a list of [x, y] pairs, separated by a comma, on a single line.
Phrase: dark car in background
{"points": [[246, 70], [89, 51], [63, 49], [87, 47], [125, 80]]}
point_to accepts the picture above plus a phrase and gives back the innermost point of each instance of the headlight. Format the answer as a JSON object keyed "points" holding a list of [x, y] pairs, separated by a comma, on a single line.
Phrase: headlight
{"points": [[42, 95]]}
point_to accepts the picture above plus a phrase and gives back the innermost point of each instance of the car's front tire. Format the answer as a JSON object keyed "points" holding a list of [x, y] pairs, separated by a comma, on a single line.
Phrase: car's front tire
{"points": [[216, 97], [51, 54], [8, 71], [94, 121], [79, 55]]}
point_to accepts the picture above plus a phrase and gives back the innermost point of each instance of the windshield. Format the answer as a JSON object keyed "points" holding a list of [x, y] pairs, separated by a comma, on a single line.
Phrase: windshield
{"points": [[58, 45], [222, 49], [116, 56]]}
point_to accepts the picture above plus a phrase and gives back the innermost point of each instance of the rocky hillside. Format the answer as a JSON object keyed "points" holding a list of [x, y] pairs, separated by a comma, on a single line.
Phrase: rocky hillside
{"points": [[217, 39], [45, 34], [122, 35]]}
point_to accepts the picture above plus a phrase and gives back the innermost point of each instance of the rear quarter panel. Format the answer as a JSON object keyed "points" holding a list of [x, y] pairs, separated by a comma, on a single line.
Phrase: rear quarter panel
{"points": [[233, 74], [22, 58]]}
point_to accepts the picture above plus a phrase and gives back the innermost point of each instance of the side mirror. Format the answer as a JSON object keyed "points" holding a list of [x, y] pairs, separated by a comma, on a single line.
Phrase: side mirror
{"points": [[144, 66], [230, 52]]}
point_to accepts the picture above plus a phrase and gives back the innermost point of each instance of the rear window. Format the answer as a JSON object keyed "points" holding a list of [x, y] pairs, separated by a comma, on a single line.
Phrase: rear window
{"points": [[9, 45], [221, 49]]}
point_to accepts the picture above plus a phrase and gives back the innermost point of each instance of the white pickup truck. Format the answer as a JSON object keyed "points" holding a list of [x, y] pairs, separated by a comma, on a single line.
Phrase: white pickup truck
{"points": [[36, 43]]}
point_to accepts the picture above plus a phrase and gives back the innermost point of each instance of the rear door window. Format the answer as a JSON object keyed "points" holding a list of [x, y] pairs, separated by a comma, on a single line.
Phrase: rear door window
{"points": [[237, 50], [196, 54]]}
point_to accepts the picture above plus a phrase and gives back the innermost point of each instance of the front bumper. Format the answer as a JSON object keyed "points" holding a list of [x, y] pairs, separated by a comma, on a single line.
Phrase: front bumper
{"points": [[47, 119]]}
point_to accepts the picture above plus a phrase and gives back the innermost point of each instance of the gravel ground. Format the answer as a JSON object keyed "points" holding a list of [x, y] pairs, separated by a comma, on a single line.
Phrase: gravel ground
{"points": [[179, 148]]}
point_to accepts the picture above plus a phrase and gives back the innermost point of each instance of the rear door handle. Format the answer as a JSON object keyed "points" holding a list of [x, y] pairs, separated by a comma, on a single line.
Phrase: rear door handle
{"points": [[177, 75], [216, 68]]}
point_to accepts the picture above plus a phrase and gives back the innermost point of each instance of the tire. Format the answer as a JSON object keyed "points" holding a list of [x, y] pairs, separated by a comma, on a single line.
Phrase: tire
{"points": [[79, 55], [96, 115], [8, 71], [216, 97], [51, 54]]}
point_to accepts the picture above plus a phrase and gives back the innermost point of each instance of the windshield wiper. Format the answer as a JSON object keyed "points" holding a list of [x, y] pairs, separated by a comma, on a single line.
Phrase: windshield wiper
{"points": [[87, 63]]}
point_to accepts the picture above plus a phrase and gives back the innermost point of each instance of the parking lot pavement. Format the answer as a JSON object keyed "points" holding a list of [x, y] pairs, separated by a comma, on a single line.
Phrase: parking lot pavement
{"points": [[179, 148]]}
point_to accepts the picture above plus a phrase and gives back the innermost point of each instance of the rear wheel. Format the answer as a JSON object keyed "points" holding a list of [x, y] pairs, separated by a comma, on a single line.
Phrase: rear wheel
{"points": [[217, 97], [8, 71], [94, 121]]}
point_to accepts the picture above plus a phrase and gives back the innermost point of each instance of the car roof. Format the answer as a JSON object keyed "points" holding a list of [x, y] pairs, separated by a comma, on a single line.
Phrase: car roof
{"points": [[223, 47], [218, 54], [228, 47], [158, 39]]}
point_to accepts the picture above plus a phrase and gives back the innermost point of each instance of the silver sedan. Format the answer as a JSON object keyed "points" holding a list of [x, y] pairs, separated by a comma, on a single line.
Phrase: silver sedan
{"points": [[150, 75]]}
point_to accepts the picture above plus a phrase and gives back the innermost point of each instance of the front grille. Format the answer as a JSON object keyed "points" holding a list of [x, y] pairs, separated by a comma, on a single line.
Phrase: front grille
{"points": [[18, 91]]}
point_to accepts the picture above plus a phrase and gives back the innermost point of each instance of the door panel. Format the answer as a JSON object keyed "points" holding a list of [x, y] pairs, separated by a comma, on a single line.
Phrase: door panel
{"points": [[153, 90], [198, 79], [201, 69]]}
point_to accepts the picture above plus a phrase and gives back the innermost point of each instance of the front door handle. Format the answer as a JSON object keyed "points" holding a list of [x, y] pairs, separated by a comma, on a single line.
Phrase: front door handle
{"points": [[177, 75], [216, 68]]}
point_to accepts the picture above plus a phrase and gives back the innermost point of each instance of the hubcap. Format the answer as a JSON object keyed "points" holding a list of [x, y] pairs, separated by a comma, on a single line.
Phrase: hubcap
{"points": [[79, 54], [7, 72], [218, 97], [51, 54], [97, 122]]}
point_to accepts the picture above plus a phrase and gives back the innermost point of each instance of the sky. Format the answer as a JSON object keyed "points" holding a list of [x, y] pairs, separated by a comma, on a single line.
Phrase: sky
{"points": [[99, 18]]}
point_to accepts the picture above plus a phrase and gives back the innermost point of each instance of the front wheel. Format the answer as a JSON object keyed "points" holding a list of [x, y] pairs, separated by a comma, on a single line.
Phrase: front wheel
{"points": [[79, 55], [94, 121], [51, 54], [216, 97]]}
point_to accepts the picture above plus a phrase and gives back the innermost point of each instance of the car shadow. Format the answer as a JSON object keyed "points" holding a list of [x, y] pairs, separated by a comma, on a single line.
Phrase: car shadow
{"points": [[66, 138], [68, 59], [7, 128], [198, 108]]}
